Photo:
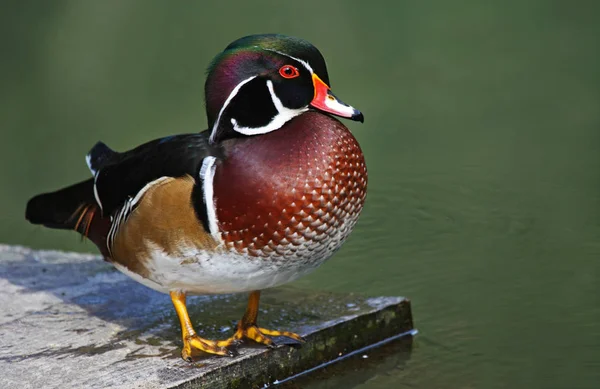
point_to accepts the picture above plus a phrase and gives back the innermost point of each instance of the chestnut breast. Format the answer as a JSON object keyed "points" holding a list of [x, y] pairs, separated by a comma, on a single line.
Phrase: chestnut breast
{"points": [[295, 192]]}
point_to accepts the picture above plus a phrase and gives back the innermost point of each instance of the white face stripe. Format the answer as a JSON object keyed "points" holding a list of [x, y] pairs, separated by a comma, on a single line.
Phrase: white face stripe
{"points": [[304, 63], [207, 175], [229, 98], [284, 114]]}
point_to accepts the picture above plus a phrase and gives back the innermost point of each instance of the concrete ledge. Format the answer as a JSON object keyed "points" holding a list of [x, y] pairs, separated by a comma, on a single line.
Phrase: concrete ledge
{"points": [[71, 321]]}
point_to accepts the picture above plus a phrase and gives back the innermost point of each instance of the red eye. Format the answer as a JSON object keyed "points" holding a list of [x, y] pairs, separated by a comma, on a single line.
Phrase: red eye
{"points": [[288, 71]]}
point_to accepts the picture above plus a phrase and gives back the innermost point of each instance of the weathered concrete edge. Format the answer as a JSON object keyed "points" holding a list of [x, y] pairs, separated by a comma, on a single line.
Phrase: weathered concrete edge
{"points": [[325, 344]]}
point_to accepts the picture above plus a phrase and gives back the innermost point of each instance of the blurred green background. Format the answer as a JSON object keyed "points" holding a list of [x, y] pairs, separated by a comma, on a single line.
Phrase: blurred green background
{"points": [[482, 140]]}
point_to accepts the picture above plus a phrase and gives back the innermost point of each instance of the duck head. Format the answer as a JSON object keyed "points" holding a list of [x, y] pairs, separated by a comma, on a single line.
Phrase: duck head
{"points": [[260, 82]]}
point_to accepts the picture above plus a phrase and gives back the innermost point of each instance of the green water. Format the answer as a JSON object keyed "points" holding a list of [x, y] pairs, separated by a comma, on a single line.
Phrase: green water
{"points": [[482, 140]]}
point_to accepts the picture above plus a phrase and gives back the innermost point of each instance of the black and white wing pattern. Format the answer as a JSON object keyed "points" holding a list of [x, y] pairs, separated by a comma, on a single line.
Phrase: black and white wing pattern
{"points": [[121, 179]]}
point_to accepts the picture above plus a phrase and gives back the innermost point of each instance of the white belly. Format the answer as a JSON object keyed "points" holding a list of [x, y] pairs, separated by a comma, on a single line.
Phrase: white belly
{"points": [[226, 270], [200, 272]]}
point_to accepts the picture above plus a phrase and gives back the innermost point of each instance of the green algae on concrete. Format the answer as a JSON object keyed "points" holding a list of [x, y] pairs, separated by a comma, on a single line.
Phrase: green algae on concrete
{"points": [[72, 321]]}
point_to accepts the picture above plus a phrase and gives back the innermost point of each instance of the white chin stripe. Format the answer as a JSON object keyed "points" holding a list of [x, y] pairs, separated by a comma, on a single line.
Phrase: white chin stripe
{"points": [[207, 175], [284, 114]]}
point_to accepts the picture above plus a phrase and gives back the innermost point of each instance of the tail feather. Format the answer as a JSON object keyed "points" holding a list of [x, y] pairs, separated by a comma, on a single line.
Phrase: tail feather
{"points": [[61, 209], [71, 208], [85, 219]]}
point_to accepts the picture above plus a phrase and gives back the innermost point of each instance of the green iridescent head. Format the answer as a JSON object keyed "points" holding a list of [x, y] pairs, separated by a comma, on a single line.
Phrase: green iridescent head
{"points": [[259, 82]]}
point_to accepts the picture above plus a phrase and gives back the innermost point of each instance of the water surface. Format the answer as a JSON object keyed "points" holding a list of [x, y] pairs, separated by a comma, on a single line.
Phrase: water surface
{"points": [[482, 140]]}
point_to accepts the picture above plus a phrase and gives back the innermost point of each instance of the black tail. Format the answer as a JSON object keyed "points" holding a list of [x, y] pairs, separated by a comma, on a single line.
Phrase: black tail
{"points": [[62, 209], [72, 208]]}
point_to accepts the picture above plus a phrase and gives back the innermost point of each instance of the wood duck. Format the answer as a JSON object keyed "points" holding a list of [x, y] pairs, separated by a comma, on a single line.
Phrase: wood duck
{"points": [[266, 194]]}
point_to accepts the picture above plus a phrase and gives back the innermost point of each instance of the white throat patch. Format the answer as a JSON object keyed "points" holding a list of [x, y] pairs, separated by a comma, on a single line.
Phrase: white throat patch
{"points": [[284, 114]]}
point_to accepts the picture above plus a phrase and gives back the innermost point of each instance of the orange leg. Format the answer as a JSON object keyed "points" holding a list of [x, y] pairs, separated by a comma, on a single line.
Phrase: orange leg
{"points": [[247, 328], [190, 339]]}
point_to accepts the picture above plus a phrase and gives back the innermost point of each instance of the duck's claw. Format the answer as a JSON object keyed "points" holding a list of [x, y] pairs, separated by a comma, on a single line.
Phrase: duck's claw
{"points": [[258, 335], [194, 342]]}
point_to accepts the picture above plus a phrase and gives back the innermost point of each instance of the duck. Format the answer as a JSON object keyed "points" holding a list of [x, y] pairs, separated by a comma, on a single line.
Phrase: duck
{"points": [[267, 193]]}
